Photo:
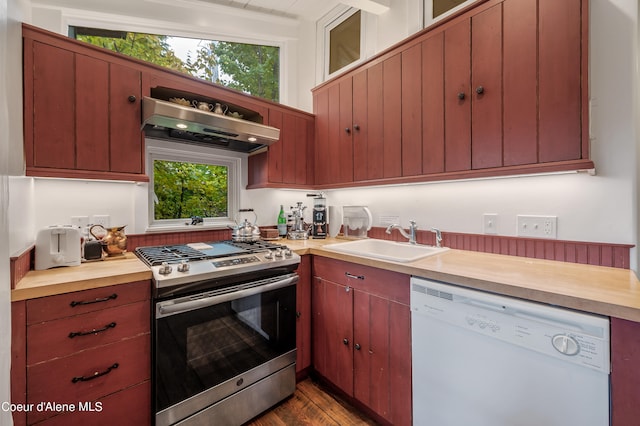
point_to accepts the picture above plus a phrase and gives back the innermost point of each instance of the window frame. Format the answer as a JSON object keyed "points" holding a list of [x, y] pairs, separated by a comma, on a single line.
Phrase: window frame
{"points": [[428, 17], [170, 151], [329, 22]]}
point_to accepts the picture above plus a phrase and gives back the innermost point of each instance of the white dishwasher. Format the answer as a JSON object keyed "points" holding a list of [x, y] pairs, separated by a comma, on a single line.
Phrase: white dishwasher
{"points": [[481, 359]]}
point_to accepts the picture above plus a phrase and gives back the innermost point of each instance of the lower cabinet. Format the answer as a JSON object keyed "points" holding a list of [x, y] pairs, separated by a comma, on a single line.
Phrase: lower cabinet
{"points": [[303, 315], [625, 378], [86, 357], [362, 335]]}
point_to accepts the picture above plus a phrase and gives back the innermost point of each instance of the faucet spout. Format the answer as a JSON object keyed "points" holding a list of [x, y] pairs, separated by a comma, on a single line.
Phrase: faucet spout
{"points": [[411, 235]]}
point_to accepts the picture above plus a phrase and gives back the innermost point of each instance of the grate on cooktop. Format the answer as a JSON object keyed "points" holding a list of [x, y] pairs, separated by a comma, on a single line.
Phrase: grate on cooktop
{"points": [[155, 255]]}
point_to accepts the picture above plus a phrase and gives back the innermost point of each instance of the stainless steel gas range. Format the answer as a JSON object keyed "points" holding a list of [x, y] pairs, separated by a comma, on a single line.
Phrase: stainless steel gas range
{"points": [[224, 345]]}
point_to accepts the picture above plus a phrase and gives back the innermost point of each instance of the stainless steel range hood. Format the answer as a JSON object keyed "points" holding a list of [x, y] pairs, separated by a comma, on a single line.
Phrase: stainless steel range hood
{"points": [[171, 121]]}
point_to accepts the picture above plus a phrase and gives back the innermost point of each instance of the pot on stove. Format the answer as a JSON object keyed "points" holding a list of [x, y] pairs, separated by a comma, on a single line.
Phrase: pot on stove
{"points": [[245, 232]]}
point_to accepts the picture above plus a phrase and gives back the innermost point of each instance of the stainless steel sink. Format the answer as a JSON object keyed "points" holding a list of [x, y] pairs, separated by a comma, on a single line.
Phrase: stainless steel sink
{"points": [[386, 250]]}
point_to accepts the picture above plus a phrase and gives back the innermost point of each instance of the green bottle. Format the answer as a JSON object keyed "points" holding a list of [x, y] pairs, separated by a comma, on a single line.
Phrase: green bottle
{"points": [[282, 223]]}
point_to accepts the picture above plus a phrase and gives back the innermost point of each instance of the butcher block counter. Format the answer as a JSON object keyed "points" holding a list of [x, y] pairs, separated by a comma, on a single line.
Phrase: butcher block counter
{"points": [[602, 290], [112, 271]]}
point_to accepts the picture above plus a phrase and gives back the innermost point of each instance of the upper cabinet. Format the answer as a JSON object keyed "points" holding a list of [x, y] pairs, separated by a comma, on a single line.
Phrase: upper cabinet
{"points": [[499, 89], [81, 112], [82, 115]]}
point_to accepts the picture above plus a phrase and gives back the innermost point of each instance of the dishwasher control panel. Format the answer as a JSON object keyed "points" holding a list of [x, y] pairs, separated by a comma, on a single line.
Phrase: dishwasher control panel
{"points": [[575, 337]]}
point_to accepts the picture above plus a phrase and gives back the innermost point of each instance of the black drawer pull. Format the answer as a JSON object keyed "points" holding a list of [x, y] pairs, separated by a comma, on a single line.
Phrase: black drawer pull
{"points": [[357, 277], [89, 302], [95, 375], [94, 331]]}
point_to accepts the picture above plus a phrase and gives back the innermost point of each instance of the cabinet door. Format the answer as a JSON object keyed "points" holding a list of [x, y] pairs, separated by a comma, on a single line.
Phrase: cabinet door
{"points": [[92, 113], [344, 156], [457, 97], [520, 62], [412, 111], [322, 158], [50, 109], [432, 104], [275, 159], [360, 125], [126, 139], [560, 85], [333, 332], [392, 116], [303, 314], [486, 88]]}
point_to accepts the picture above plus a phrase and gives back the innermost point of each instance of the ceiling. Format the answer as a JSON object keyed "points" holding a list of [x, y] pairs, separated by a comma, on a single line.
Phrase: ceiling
{"points": [[296, 9]]}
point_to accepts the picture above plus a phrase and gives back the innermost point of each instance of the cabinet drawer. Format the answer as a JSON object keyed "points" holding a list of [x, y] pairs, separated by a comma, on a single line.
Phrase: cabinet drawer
{"points": [[63, 337], [89, 375], [391, 285], [131, 406], [80, 302]]}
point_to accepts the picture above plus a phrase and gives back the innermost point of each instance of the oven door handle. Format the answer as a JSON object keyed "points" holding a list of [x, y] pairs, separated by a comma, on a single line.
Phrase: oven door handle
{"points": [[165, 309]]}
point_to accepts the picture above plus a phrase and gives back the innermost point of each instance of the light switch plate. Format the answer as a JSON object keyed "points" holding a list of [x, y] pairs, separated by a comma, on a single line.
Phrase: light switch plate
{"points": [[490, 223], [537, 226]]}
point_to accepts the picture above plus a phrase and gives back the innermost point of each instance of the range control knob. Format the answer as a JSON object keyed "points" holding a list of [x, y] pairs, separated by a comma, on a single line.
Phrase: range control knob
{"points": [[278, 253], [288, 252], [565, 344], [183, 266], [165, 269], [268, 255]]}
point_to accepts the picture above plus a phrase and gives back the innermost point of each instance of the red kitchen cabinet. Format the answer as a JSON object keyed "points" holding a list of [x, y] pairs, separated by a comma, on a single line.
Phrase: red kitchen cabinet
{"points": [[303, 315], [625, 379], [362, 335], [90, 350], [289, 161], [497, 89], [81, 111]]}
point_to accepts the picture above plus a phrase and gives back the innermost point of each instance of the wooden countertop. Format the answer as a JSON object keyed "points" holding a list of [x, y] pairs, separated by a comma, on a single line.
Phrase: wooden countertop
{"points": [[111, 271], [607, 291]]}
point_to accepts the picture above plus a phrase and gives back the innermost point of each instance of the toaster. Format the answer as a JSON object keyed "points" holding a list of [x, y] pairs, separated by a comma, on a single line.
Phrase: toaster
{"points": [[57, 246]]}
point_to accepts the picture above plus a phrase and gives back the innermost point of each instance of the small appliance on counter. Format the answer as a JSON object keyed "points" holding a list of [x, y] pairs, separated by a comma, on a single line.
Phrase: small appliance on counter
{"points": [[320, 216], [298, 231], [57, 245], [356, 221]]}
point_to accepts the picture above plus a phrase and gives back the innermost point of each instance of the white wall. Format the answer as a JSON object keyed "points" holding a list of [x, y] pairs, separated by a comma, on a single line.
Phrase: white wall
{"points": [[589, 208]]}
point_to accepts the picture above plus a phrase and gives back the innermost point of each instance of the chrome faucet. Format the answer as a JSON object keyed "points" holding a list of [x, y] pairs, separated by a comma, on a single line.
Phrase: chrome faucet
{"points": [[412, 231], [438, 237]]}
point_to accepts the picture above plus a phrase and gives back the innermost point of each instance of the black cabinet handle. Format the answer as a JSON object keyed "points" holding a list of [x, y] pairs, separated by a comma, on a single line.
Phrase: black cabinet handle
{"points": [[89, 302], [479, 90], [348, 130], [94, 331], [345, 341], [131, 98], [461, 96], [94, 375], [298, 314], [357, 346], [357, 277], [356, 127]]}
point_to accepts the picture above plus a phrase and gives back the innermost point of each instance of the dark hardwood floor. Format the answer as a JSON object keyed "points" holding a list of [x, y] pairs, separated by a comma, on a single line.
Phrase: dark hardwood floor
{"points": [[311, 404]]}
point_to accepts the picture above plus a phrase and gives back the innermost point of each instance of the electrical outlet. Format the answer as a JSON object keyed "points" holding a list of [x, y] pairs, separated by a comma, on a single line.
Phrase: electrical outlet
{"points": [[101, 219], [389, 220], [79, 221], [537, 226], [490, 223]]}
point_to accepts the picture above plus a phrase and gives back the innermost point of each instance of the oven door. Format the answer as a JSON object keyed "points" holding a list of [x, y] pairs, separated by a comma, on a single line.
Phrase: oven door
{"points": [[210, 345]]}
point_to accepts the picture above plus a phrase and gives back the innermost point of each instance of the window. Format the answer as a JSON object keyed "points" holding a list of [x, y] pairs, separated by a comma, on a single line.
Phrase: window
{"points": [[434, 10], [344, 43], [186, 183], [250, 68], [343, 40]]}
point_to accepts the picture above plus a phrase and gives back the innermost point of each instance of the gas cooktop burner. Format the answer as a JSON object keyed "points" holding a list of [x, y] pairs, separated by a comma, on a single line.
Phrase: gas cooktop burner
{"points": [[156, 255]]}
